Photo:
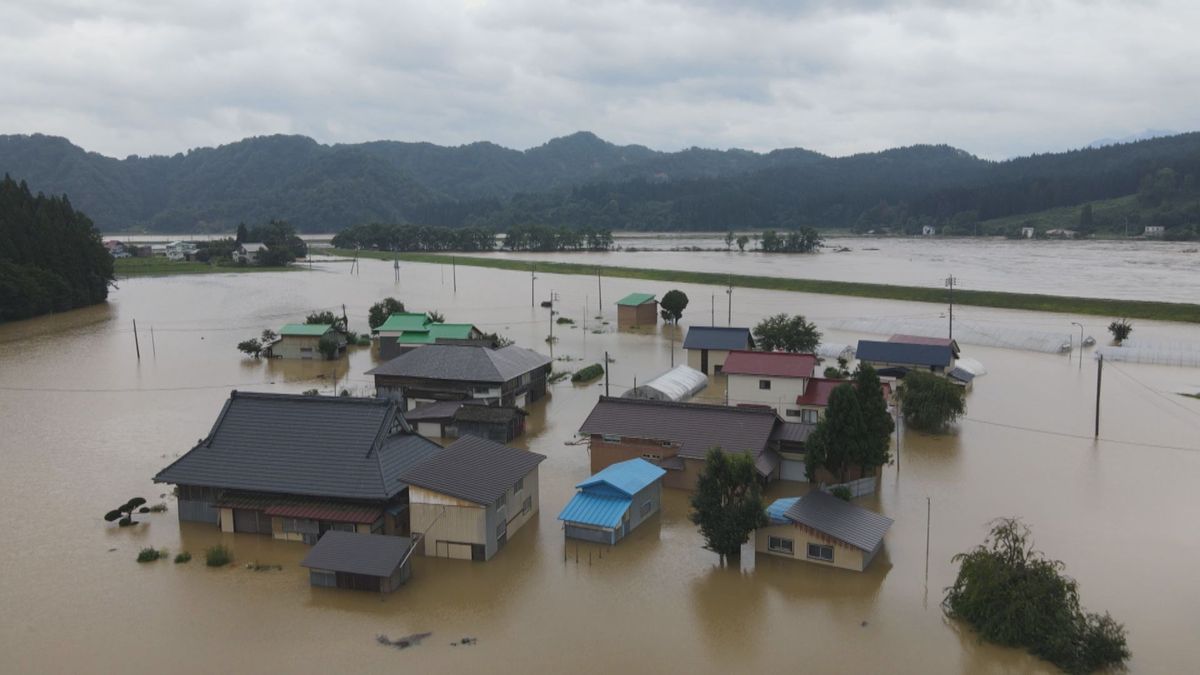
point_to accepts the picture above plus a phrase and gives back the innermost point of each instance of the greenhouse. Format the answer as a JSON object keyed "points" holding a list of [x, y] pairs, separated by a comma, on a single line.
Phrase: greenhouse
{"points": [[677, 384], [965, 332]]}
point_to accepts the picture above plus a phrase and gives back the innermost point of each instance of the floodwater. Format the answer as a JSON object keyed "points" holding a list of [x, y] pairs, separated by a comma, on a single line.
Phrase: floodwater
{"points": [[84, 426]]}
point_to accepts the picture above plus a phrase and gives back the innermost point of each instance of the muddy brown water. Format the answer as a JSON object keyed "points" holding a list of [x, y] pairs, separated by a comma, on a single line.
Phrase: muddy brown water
{"points": [[84, 425]]}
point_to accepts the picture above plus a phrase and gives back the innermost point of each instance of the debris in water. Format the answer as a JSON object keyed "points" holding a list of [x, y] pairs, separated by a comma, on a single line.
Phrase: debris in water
{"points": [[257, 567], [111, 550], [864, 623], [402, 642]]}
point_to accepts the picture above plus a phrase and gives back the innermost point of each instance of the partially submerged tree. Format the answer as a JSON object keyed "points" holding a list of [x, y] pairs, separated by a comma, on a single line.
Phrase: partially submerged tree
{"points": [[436, 316], [783, 333], [1120, 329], [251, 347], [123, 514], [730, 237], [672, 305], [727, 505], [1015, 596], [878, 421], [929, 402], [381, 310], [328, 346], [742, 240]]}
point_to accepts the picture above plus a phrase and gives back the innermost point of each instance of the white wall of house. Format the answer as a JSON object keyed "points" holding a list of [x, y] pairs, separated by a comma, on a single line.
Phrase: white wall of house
{"points": [[778, 392]]}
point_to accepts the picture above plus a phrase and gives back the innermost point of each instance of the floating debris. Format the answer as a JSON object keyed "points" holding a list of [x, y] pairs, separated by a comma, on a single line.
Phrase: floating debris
{"points": [[465, 641], [257, 567], [402, 642]]}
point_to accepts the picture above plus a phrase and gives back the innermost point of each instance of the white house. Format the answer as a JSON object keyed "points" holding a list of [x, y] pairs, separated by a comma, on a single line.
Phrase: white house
{"points": [[180, 250], [247, 253], [1027, 233], [928, 230], [1155, 230], [774, 379]]}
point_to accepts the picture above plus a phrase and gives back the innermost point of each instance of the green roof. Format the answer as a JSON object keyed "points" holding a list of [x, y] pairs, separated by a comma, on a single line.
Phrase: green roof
{"points": [[305, 329], [635, 299], [404, 321], [434, 331]]}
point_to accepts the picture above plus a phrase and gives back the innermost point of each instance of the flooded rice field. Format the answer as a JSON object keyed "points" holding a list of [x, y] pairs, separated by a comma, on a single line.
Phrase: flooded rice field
{"points": [[84, 425], [1127, 269]]}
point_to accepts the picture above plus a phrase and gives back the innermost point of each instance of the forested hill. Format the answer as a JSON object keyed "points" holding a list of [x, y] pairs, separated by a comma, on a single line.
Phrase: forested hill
{"points": [[51, 258], [579, 180]]}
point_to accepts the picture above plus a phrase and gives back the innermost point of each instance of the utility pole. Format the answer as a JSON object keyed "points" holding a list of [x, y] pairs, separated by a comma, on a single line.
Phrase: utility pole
{"points": [[600, 290], [729, 292], [712, 320], [396, 268], [950, 281], [532, 277], [135, 341], [1099, 373], [153, 346], [928, 517], [454, 271], [553, 297], [606, 373], [1076, 323]]}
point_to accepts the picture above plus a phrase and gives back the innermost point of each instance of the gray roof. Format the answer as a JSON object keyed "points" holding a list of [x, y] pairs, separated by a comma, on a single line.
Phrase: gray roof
{"points": [[438, 410], [696, 427], [474, 469], [374, 555], [464, 362], [793, 432], [839, 519], [486, 414], [904, 353], [718, 337], [326, 446]]}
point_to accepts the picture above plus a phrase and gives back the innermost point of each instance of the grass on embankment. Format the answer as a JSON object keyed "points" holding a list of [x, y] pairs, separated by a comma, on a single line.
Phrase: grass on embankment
{"points": [[161, 267], [1131, 309]]}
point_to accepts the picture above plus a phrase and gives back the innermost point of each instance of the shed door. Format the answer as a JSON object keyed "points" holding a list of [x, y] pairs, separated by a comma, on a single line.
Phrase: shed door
{"points": [[247, 520], [792, 469], [704, 361]]}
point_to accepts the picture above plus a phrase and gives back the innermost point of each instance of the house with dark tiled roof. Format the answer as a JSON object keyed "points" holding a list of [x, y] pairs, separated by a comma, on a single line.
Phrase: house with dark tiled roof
{"points": [[822, 529], [509, 376], [708, 346], [294, 467], [468, 500], [451, 419], [901, 353], [678, 436]]}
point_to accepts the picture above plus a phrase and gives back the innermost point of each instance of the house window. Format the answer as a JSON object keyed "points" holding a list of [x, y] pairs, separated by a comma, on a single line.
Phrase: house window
{"points": [[781, 545], [809, 416], [612, 438], [527, 506], [793, 413], [764, 384], [646, 506], [501, 529], [656, 456], [306, 350], [502, 501], [519, 485], [820, 552]]}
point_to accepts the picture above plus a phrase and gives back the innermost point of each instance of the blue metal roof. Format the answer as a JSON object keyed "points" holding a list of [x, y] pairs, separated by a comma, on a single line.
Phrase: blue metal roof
{"points": [[904, 353], [779, 507], [595, 510], [718, 337], [629, 477]]}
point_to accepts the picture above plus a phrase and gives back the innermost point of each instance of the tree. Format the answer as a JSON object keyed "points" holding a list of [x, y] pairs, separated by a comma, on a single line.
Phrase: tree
{"points": [[742, 240], [251, 347], [328, 346], [1015, 596], [929, 402], [124, 514], [436, 316], [672, 305], [327, 318], [785, 333], [1087, 224], [381, 310], [878, 421], [1120, 329], [729, 239], [268, 336], [841, 438], [242, 233], [727, 505]]}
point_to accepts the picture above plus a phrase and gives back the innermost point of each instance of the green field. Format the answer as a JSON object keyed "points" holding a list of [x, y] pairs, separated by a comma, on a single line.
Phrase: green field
{"points": [[1132, 309], [161, 267]]}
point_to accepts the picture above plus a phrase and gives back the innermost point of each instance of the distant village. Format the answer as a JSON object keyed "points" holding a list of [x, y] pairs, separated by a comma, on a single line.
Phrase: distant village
{"points": [[426, 466]]}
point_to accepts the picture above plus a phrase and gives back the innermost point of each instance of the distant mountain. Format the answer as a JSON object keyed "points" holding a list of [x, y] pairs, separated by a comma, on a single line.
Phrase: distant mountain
{"points": [[1132, 138], [577, 180]]}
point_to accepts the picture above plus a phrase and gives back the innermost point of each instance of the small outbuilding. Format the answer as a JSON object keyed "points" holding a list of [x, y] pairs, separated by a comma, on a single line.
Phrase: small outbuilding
{"points": [[610, 504], [708, 346], [451, 419], [637, 309], [299, 340], [822, 529], [361, 562]]}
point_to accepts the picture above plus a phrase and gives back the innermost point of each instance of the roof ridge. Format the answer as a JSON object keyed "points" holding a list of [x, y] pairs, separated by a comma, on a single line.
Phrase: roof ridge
{"points": [[281, 396], [689, 405]]}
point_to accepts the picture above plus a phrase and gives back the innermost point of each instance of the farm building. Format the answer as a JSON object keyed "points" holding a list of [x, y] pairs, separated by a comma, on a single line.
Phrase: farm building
{"points": [[405, 331], [822, 529], [362, 562], [677, 384], [610, 504], [902, 353], [637, 309], [451, 419], [299, 340], [470, 498], [509, 376], [295, 467], [708, 346]]}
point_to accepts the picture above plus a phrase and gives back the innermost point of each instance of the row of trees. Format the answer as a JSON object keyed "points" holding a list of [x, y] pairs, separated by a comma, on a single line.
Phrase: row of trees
{"points": [[51, 256], [550, 238], [803, 240], [283, 245], [395, 237]]}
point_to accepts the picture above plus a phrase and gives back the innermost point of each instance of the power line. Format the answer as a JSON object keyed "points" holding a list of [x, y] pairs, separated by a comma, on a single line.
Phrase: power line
{"points": [[1065, 434]]}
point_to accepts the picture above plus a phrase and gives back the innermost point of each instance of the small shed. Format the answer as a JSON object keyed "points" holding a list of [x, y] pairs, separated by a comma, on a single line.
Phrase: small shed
{"points": [[299, 340], [680, 383], [637, 309], [362, 562], [610, 504]]}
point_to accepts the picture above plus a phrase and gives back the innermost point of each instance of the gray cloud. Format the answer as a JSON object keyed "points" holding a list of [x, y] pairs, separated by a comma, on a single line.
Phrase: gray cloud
{"points": [[997, 78]]}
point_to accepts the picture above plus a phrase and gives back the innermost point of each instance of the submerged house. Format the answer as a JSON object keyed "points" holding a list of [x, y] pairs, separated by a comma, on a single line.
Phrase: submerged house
{"points": [[468, 499], [708, 346], [822, 529], [610, 504], [405, 331], [677, 384], [678, 436], [509, 376], [451, 419], [299, 340], [637, 309], [294, 467], [902, 353], [362, 562]]}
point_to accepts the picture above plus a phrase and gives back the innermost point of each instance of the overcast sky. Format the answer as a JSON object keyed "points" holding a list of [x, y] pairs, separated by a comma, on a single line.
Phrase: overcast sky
{"points": [[995, 78]]}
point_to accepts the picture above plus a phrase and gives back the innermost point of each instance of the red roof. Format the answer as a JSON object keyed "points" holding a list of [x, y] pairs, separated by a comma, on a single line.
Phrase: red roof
{"points": [[818, 389], [776, 364]]}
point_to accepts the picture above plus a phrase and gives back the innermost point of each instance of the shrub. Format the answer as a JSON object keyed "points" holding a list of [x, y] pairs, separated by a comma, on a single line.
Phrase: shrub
{"points": [[183, 557], [929, 402], [218, 556], [157, 508], [1120, 330], [150, 554], [842, 492], [364, 340], [123, 514], [832, 373], [328, 346], [564, 320], [588, 374]]}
